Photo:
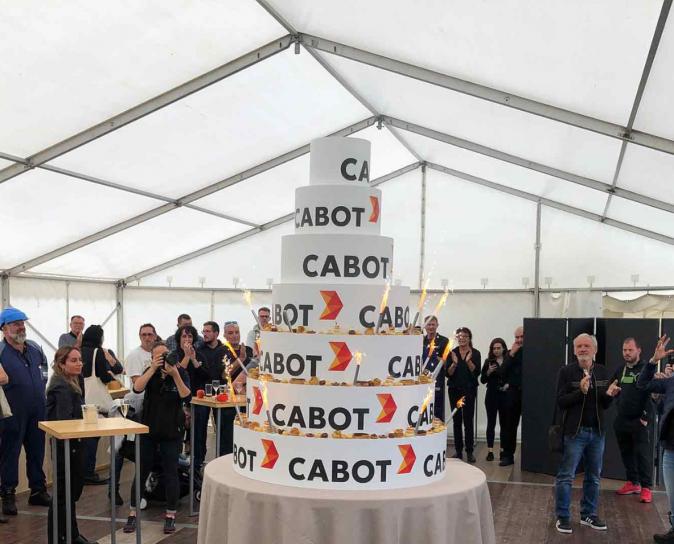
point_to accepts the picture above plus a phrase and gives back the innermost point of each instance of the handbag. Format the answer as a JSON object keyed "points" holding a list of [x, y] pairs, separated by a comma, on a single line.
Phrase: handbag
{"points": [[556, 431], [95, 391], [5, 410]]}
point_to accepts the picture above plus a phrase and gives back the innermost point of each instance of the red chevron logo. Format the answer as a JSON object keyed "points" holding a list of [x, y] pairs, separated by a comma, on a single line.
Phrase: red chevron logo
{"points": [[270, 454], [333, 305], [388, 407], [257, 400], [374, 216], [342, 356], [407, 451]]}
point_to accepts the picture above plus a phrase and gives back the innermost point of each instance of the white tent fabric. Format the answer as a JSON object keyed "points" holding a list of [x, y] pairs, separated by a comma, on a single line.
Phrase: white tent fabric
{"points": [[158, 144]]}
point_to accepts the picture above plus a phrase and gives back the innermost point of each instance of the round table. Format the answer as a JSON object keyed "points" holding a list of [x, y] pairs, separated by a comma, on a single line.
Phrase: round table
{"points": [[238, 510]]}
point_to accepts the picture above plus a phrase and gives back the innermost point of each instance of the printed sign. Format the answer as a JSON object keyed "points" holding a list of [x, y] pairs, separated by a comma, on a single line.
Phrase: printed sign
{"points": [[339, 161]]}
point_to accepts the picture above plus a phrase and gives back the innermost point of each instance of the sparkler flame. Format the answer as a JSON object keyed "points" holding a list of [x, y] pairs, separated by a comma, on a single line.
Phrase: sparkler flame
{"points": [[265, 398], [441, 302], [358, 356], [445, 352], [461, 402], [231, 349], [384, 298], [422, 298], [248, 297], [427, 399]]}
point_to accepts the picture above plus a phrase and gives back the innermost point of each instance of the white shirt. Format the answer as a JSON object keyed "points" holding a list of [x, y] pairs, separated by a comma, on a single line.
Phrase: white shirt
{"points": [[137, 361]]}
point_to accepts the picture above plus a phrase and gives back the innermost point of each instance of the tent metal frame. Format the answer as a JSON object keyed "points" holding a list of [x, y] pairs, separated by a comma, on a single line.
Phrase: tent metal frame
{"points": [[149, 106], [314, 45], [593, 124]]}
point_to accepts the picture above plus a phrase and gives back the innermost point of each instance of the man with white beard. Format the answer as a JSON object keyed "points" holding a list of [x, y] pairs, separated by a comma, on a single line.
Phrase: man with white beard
{"points": [[22, 360], [583, 393]]}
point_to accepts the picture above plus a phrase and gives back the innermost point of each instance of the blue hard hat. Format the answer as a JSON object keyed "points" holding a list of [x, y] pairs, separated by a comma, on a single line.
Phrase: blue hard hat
{"points": [[9, 314]]}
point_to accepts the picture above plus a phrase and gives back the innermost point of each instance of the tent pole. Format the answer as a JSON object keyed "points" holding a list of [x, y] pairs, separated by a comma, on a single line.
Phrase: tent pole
{"points": [[120, 319], [423, 225], [5, 290], [537, 264]]}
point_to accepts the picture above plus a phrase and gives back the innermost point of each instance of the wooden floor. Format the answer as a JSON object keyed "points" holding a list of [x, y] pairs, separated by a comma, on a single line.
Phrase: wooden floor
{"points": [[523, 505]]}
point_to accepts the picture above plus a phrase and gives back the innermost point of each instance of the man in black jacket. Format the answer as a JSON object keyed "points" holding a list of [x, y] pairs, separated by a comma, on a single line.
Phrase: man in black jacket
{"points": [[583, 393], [631, 423]]}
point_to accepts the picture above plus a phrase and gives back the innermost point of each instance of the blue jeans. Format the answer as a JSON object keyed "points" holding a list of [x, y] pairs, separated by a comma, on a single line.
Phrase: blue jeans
{"points": [[588, 445], [668, 476]]}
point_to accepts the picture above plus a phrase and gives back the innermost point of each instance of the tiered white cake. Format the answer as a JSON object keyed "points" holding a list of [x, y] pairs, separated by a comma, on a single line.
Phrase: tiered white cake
{"points": [[317, 429]]}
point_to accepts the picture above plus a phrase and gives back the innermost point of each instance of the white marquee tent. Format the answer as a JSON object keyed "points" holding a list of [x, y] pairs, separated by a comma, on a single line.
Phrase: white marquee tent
{"points": [[149, 152]]}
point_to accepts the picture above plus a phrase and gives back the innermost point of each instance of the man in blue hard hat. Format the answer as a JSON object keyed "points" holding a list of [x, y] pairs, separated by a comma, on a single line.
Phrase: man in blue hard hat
{"points": [[22, 360]]}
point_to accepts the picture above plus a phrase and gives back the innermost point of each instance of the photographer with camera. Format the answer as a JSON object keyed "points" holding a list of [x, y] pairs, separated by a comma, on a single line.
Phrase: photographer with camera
{"points": [[166, 386]]}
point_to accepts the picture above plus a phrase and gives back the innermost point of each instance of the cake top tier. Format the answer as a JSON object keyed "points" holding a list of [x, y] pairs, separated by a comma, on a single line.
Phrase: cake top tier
{"points": [[340, 161]]}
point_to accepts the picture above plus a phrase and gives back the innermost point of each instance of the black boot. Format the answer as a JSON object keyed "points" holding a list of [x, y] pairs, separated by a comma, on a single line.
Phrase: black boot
{"points": [[8, 502], [665, 538], [39, 497]]}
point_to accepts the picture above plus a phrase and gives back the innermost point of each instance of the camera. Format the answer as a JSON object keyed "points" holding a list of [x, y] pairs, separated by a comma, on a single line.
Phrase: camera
{"points": [[170, 358]]}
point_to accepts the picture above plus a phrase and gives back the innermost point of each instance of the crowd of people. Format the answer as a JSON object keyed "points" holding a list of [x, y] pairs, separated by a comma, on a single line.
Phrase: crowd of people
{"points": [[164, 374]]}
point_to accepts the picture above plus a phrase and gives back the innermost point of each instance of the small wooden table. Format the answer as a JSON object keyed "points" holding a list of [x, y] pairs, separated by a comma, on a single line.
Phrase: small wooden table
{"points": [[67, 430], [209, 402]]}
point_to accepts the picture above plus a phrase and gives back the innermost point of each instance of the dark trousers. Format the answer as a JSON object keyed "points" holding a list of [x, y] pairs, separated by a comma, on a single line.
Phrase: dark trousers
{"points": [[91, 448], [463, 419], [17, 431], [200, 422], [635, 450], [513, 411], [77, 454], [227, 430], [495, 403], [168, 456]]}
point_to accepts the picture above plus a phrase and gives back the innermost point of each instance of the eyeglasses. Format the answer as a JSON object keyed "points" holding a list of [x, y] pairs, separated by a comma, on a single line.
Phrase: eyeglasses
{"points": [[231, 323]]}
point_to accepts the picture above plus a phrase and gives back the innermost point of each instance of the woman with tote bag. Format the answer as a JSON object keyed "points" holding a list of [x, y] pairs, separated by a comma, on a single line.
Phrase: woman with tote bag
{"points": [[100, 367]]}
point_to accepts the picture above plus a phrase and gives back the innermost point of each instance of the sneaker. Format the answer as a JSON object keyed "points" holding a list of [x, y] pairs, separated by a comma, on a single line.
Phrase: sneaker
{"points": [[645, 495], [594, 522], [169, 525], [130, 525], [665, 538], [629, 489], [39, 498], [470, 457], [490, 456], [563, 526]]}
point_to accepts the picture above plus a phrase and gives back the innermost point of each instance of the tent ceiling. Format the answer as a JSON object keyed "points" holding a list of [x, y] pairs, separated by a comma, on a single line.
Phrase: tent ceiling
{"points": [[240, 128], [491, 44], [66, 68]]}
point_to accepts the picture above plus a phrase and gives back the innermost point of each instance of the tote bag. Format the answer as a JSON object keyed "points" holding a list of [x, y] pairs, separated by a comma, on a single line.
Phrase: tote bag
{"points": [[95, 391]]}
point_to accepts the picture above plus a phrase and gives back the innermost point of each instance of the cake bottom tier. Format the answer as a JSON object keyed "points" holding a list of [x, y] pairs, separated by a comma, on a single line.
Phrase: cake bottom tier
{"points": [[340, 463]]}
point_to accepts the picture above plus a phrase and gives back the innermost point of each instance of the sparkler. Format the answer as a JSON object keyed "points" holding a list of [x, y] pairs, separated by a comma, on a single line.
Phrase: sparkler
{"points": [[265, 403], [441, 302], [228, 376], [286, 320], [459, 405], [235, 357], [420, 305], [431, 350], [422, 408], [248, 297], [358, 356], [382, 306]]}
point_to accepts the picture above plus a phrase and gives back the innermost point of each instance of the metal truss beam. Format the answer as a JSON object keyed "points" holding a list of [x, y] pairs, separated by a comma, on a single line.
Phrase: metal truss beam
{"points": [[524, 163], [483, 92], [553, 204], [655, 43], [183, 201], [248, 233], [149, 106]]}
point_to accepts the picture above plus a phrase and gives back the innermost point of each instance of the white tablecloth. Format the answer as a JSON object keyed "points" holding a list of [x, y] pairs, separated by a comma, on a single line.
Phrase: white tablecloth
{"points": [[238, 510]]}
